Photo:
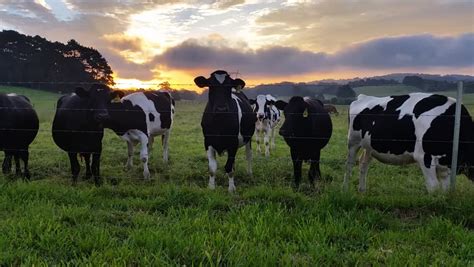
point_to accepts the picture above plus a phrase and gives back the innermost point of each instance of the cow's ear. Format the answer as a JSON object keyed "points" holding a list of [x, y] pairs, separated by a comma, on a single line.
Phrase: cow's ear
{"points": [[252, 101], [280, 104], [117, 93], [81, 92], [239, 84], [201, 81], [271, 102]]}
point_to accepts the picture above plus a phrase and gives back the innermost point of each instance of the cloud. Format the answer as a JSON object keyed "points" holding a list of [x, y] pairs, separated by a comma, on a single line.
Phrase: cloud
{"points": [[424, 51], [329, 25], [122, 42]]}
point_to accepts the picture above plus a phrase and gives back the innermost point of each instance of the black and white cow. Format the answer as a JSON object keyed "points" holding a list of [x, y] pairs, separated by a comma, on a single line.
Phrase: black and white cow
{"points": [[268, 117], [138, 118], [228, 122], [307, 129], [78, 126], [18, 128], [409, 128]]}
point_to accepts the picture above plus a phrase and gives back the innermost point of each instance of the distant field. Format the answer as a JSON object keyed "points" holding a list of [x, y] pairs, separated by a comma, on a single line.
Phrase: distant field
{"points": [[175, 220]]}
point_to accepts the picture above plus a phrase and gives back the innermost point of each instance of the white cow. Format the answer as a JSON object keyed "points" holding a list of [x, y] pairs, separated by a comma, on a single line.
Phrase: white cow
{"points": [[138, 118], [406, 129], [268, 117]]}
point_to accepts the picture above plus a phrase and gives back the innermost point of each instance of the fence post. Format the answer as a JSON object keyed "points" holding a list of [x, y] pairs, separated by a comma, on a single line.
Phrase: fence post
{"points": [[457, 125]]}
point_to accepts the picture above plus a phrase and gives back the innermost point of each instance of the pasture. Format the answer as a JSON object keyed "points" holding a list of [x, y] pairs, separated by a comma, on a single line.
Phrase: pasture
{"points": [[175, 220]]}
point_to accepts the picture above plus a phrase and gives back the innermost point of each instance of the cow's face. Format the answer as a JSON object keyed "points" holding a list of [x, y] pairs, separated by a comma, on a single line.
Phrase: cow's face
{"points": [[98, 97], [220, 89], [262, 107], [296, 117]]}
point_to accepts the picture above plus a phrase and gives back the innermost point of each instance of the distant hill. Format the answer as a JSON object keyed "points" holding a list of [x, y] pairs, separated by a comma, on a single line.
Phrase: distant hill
{"points": [[400, 76]]}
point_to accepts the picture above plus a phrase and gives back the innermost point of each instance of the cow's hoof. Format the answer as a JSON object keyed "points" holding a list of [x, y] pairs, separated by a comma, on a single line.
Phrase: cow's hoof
{"points": [[232, 189], [211, 186], [362, 190]]}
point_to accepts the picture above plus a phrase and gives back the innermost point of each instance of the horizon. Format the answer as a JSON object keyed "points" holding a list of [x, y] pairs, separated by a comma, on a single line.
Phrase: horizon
{"points": [[149, 43]]}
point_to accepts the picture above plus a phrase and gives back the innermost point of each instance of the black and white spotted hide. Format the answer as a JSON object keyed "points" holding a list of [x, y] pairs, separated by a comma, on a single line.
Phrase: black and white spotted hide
{"points": [[228, 122], [406, 129], [268, 117], [138, 118]]}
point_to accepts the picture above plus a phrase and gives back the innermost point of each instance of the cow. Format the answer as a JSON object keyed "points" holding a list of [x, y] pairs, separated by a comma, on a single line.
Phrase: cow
{"points": [[331, 109], [138, 118], [19, 125], [268, 117], [413, 128], [307, 129], [78, 127], [228, 122]]}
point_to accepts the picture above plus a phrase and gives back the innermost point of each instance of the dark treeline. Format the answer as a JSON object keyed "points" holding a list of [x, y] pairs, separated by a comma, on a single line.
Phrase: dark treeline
{"points": [[372, 82], [35, 62], [428, 85]]}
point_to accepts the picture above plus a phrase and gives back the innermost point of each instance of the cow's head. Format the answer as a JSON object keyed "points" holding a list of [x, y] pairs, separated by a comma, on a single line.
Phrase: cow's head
{"points": [[296, 117], [98, 97], [220, 89], [262, 105]]}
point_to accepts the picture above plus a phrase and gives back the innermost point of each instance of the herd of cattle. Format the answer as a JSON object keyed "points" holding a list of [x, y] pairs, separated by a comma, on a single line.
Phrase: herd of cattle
{"points": [[398, 130]]}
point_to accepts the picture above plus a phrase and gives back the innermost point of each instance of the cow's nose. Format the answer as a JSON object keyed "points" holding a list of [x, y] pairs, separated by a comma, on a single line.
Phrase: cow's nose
{"points": [[260, 116]]}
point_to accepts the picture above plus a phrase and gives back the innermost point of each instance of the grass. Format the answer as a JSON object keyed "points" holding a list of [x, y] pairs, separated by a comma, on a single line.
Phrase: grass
{"points": [[175, 220]]}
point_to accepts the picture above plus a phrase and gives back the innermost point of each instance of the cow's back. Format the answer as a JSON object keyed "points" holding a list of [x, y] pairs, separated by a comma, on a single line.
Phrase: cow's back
{"points": [[18, 122], [72, 129]]}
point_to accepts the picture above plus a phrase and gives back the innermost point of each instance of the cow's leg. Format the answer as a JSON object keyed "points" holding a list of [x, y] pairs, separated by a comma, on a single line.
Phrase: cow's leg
{"points": [[229, 168], [272, 137], [87, 159], [351, 156], [211, 156], [431, 180], [25, 156], [7, 163], [257, 140], [443, 174], [151, 139], [74, 166], [297, 165], [144, 154], [96, 167], [130, 154], [314, 172], [16, 156], [364, 161], [248, 156], [165, 141], [266, 141]]}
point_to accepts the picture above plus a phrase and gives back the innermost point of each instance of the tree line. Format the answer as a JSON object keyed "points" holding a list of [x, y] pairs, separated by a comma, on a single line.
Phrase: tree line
{"points": [[33, 61]]}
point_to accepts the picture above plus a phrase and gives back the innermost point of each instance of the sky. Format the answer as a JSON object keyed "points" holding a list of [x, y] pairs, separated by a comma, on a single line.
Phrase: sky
{"points": [[150, 41]]}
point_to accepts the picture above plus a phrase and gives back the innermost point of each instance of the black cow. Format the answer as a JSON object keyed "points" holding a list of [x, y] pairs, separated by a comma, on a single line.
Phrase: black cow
{"points": [[138, 118], [78, 126], [307, 129], [18, 128], [228, 122], [406, 129]]}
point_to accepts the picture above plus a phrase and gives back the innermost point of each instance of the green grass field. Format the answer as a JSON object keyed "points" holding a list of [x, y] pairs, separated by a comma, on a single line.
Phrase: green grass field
{"points": [[175, 220]]}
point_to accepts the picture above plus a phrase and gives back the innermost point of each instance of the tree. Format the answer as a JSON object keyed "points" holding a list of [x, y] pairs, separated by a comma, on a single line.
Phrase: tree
{"points": [[345, 91], [38, 63], [415, 81]]}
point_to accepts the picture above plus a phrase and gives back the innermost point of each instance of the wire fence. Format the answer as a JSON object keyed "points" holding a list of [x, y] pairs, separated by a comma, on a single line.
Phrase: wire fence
{"points": [[281, 160]]}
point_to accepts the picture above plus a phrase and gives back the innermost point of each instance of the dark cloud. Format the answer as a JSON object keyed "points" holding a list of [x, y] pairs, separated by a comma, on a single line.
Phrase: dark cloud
{"points": [[123, 42], [426, 51], [273, 61], [410, 51]]}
